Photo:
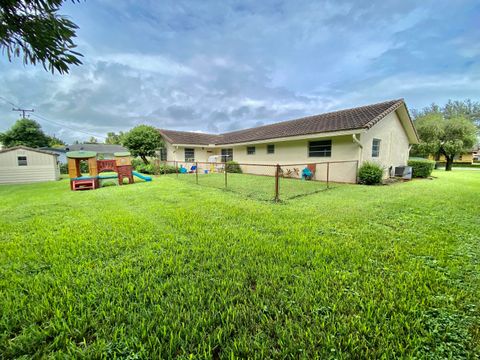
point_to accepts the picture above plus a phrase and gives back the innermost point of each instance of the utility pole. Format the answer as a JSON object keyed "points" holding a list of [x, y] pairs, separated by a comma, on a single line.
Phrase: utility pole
{"points": [[23, 111]]}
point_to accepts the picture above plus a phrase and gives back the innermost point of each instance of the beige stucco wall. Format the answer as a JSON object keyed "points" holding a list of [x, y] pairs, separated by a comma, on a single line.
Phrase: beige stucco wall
{"points": [[40, 167], [394, 145], [286, 152], [394, 150]]}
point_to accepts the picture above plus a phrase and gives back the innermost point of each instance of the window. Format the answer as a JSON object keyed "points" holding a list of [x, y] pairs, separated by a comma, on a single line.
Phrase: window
{"points": [[22, 160], [271, 149], [189, 154], [250, 150], [375, 147], [321, 148], [227, 155], [163, 154]]}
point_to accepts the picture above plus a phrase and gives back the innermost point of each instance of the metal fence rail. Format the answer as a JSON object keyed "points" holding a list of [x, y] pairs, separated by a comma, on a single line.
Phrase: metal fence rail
{"points": [[263, 181]]}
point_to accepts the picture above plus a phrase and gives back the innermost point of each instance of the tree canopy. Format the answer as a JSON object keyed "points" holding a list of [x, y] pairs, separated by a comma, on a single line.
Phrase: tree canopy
{"points": [[143, 141], [27, 132], [34, 30], [114, 139], [448, 136]]}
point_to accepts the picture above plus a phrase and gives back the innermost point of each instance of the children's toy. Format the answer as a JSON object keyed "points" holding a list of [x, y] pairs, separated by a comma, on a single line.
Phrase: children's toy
{"points": [[122, 165], [307, 174]]}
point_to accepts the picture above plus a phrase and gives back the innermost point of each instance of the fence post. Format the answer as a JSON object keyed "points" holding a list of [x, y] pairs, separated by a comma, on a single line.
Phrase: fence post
{"points": [[328, 174], [277, 175], [196, 172], [176, 167], [165, 167], [225, 171]]}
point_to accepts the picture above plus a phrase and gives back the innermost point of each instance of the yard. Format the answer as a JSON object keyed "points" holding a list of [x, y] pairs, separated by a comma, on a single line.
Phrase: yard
{"points": [[170, 269]]}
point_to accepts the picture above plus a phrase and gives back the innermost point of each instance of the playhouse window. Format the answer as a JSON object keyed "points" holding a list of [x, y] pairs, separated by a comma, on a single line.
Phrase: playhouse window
{"points": [[250, 150], [270, 149], [321, 148], [22, 161], [189, 154], [375, 147]]}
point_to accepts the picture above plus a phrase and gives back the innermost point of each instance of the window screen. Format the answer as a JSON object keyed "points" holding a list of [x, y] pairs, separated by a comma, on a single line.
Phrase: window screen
{"points": [[22, 160], [321, 148], [271, 149], [189, 154], [250, 150], [375, 147]]}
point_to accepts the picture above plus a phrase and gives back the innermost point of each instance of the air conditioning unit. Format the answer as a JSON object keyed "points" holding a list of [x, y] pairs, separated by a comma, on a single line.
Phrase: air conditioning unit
{"points": [[405, 172]]}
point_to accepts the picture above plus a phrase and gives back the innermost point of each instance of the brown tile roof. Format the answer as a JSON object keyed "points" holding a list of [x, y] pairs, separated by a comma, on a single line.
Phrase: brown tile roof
{"points": [[185, 137], [362, 117]]}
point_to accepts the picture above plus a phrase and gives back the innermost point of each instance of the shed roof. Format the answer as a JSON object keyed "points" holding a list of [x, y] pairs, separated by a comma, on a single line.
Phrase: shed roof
{"points": [[21, 147]]}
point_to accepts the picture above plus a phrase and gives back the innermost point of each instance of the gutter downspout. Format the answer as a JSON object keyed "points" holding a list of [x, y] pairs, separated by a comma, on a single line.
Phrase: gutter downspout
{"points": [[360, 157]]}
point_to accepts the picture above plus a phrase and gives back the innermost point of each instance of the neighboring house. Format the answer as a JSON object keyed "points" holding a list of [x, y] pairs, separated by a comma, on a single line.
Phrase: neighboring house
{"points": [[61, 152], [380, 132], [21, 164], [104, 151], [466, 158], [476, 153]]}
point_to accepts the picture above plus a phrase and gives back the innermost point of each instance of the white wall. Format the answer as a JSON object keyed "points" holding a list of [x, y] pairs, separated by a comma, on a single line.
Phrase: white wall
{"points": [[394, 144], [40, 167]]}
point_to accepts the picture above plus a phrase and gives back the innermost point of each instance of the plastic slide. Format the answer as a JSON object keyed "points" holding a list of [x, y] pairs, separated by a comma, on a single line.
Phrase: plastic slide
{"points": [[146, 178]]}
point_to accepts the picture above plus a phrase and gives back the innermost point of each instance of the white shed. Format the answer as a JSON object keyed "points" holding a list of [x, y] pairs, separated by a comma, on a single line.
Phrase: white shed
{"points": [[21, 164]]}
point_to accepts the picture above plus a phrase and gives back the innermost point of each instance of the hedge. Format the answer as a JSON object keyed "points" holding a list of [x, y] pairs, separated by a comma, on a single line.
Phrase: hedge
{"points": [[421, 168]]}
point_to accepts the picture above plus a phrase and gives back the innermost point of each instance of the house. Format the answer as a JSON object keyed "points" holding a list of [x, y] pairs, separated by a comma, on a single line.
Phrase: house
{"points": [[60, 151], [380, 132], [466, 158], [104, 151], [21, 164], [476, 153]]}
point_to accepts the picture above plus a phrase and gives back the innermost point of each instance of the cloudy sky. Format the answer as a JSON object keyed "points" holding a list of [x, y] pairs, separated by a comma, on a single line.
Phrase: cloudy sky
{"points": [[217, 66]]}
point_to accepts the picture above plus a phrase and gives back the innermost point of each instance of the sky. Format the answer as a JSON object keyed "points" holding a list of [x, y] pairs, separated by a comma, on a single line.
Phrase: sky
{"points": [[217, 66]]}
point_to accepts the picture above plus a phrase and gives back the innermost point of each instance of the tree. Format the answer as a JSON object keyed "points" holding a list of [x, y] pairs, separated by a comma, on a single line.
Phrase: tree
{"points": [[55, 142], [34, 30], [446, 136], [466, 108], [92, 140], [114, 139], [25, 132], [143, 141]]}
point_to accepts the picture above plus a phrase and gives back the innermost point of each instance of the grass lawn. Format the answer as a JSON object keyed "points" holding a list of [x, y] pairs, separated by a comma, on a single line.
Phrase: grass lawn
{"points": [[256, 186], [170, 269]]}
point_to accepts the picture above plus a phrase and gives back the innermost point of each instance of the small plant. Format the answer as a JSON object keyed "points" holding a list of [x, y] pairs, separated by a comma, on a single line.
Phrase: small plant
{"points": [[233, 167], [370, 173], [421, 167]]}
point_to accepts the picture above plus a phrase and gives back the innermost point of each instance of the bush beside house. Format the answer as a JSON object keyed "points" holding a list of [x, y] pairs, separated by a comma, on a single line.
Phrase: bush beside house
{"points": [[421, 168], [370, 173]]}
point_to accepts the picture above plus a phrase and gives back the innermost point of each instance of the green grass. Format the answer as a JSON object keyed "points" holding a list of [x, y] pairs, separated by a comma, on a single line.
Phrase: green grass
{"points": [[170, 269], [256, 186]]}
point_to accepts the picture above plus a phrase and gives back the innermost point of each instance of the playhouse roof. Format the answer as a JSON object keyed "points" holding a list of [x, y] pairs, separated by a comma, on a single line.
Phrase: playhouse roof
{"points": [[81, 154]]}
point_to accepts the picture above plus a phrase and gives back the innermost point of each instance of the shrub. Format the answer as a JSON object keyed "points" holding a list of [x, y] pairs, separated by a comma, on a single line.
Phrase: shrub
{"points": [[370, 173], [141, 167], [421, 167], [233, 167]]}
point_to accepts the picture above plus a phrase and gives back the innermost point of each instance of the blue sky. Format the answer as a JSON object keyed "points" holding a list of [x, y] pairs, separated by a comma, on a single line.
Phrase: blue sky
{"points": [[216, 66]]}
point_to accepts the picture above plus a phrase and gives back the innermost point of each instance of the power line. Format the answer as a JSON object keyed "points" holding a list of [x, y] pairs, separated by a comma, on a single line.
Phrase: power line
{"points": [[41, 117]]}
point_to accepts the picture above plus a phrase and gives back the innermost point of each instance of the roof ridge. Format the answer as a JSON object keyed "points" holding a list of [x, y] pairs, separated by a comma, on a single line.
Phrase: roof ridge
{"points": [[320, 114]]}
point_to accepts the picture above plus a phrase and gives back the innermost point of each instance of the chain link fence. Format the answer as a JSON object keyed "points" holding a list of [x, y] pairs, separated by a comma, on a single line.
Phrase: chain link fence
{"points": [[262, 181]]}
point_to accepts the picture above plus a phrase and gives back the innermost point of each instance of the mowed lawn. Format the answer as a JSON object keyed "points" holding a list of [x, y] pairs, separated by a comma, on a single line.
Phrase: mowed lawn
{"points": [[170, 269]]}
